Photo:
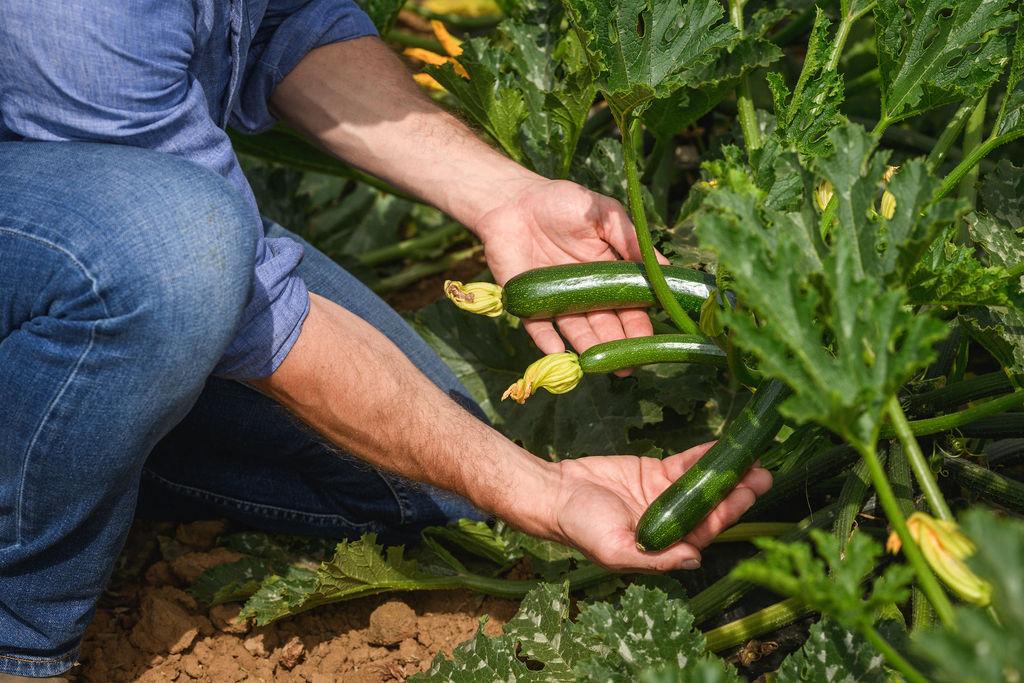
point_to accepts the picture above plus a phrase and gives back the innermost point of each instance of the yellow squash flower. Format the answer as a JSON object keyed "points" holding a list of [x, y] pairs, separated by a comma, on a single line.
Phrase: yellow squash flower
{"points": [[945, 549], [476, 297], [556, 372]]}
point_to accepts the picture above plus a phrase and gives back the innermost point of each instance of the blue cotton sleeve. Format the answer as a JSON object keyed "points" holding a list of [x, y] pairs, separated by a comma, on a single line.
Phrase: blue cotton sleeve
{"points": [[289, 30], [122, 72]]}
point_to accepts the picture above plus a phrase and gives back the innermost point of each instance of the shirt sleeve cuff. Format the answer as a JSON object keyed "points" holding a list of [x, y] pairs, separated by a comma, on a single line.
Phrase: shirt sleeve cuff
{"points": [[273, 318], [279, 45]]}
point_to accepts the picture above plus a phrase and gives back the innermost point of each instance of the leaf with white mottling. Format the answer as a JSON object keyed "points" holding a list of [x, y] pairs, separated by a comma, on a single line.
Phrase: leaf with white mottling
{"points": [[833, 654]]}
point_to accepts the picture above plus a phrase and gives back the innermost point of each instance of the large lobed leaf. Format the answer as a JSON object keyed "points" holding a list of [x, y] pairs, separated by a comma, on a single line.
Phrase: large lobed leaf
{"points": [[833, 654], [642, 50], [831, 320], [932, 52]]}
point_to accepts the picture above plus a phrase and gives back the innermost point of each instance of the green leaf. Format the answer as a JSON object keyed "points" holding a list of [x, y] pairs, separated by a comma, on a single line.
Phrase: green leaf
{"points": [[1002, 192], [280, 595], [707, 85], [1011, 114], [805, 118], [481, 659], [826, 582], [707, 670], [647, 632], [545, 634], [231, 581], [832, 322], [383, 13], [833, 654], [933, 52], [951, 275], [528, 87], [642, 50], [979, 649]]}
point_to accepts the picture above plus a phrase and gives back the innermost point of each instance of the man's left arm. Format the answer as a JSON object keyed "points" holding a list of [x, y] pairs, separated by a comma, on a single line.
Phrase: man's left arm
{"points": [[358, 101]]}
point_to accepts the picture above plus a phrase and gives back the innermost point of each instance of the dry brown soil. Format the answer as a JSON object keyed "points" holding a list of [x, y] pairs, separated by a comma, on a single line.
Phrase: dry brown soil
{"points": [[148, 628]]}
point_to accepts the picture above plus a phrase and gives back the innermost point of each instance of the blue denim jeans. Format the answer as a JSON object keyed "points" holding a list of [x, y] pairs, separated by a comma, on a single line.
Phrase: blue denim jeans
{"points": [[123, 275]]}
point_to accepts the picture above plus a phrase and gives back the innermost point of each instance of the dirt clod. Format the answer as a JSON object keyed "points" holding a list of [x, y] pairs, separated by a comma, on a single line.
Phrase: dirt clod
{"points": [[225, 619], [391, 623], [200, 535], [292, 653]]}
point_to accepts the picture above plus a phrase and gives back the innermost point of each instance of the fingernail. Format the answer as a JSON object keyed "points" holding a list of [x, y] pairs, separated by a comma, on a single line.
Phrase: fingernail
{"points": [[691, 564]]}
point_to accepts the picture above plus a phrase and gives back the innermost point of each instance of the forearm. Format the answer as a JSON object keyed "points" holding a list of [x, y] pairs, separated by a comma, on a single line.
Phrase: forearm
{"points": [[357, 389], [358, 101]]}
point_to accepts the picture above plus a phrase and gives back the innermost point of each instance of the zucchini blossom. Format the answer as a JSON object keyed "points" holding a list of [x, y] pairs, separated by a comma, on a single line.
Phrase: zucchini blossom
{"points": [[945, 549], [556, 372], [476, 297]]}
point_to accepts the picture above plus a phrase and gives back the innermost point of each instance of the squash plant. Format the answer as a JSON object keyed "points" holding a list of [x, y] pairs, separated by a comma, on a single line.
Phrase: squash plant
{"points": [[867, 271]]}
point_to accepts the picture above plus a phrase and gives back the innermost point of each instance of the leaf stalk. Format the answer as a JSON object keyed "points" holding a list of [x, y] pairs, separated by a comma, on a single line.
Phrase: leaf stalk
{"points": [[744, 99], [918, 463]]}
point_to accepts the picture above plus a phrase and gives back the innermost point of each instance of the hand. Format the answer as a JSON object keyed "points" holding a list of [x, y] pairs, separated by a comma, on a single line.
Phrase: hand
{"points": [[552, 222], [601, 500]]}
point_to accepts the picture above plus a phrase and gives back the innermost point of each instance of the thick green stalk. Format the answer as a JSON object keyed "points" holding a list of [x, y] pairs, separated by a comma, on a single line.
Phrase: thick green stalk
{"points": [[747, 531], [972, 138], [422, 269], [959, 393], [410, 247], [894, 658], [925, 578], [922, 616], [918, 463], [753, 625], [950, 134], [945, 423], [973, 158], [643, 234], [744, 100], [851, 499]]}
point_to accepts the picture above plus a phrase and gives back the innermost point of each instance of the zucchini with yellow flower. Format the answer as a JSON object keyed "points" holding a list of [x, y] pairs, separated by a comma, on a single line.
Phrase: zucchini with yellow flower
{"points": [[561, 372], [580, 287]]}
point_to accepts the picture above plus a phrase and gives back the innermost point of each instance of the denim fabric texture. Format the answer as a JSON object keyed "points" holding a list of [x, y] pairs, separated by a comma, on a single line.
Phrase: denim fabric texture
{"points": [[124, 275], [169, 75]]}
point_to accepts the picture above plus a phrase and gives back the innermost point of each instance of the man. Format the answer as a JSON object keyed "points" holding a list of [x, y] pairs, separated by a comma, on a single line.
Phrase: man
{"points": [[151, 325]]}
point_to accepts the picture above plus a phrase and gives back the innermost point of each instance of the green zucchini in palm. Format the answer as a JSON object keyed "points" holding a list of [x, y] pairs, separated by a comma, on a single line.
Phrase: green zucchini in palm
{"points": [[690, 498], [580, 287], [561, 372]]}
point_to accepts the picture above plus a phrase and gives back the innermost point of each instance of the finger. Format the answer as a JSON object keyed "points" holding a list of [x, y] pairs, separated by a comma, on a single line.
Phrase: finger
{"points": [[544, 335], [635, 322], [757, 479], [723, 516], [578, 331], [621, 554]]}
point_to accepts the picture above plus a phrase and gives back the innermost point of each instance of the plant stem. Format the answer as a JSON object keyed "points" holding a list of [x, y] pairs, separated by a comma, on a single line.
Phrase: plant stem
{"points": [[643, 235], [414, 245], [972, 138], [950, 134], [917, 461], [945, 423], [750, 530], [418, 271], [763, 621], [892, 656], [842, 33], [973, 158], [925, 578], [744, 100]]}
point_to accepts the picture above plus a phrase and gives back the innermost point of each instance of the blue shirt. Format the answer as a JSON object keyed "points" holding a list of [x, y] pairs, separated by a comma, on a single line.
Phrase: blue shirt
{"points": [[170, 75]]}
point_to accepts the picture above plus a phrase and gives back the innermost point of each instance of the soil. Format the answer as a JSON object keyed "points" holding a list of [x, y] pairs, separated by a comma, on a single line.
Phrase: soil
{"points": [[148, 628]]}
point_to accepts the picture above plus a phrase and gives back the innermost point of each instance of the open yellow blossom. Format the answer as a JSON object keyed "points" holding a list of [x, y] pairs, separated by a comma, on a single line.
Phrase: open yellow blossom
{"points": [[476, 297], [556, 372], [945, 550]]}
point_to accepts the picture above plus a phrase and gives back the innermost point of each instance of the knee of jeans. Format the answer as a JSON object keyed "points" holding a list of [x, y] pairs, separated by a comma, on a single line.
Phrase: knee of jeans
{"points": [[177, 271]]}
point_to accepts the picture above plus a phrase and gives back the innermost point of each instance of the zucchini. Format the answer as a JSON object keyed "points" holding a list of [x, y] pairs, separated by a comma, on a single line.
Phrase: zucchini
{"points": [[991, 486], [690, 498], [579, 287], [660, 348], [561, 372]]}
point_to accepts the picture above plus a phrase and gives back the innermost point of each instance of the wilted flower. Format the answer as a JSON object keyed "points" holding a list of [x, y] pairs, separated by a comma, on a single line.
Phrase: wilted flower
{"points": [[452, 46], [556, 372], [823, 194], [476, 297], [945, 549]]}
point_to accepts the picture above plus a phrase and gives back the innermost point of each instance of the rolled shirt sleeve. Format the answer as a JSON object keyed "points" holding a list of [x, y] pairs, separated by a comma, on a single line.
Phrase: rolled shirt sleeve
{"points": [[123, 72]]}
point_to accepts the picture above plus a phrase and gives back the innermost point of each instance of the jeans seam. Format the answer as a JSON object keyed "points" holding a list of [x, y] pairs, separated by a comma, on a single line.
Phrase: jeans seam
{"points": [[275, 512], [67, 380], [40, 661]]}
